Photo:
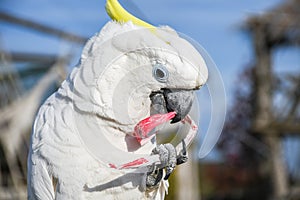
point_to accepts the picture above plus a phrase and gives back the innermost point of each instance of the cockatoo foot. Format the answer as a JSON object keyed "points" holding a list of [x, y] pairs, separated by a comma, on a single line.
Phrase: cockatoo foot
{"points": [[182, 156], [154, 177], [168, 159]]}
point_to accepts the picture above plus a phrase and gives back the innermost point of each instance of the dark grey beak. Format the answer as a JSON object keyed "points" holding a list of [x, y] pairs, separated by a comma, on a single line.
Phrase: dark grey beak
{"points": [[169, 100]]}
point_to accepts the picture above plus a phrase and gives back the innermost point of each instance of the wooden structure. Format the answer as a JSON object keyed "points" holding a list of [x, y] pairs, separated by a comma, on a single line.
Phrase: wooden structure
{"points": [[274, 29], [19, 102]]}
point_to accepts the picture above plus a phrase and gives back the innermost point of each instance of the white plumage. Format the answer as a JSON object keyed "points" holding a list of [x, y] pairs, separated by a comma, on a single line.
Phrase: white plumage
{"points": [[109, 89]]}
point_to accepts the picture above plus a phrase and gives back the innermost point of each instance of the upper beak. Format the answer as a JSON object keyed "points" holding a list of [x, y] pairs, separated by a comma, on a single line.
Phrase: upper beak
{"points": [[170, 100]]}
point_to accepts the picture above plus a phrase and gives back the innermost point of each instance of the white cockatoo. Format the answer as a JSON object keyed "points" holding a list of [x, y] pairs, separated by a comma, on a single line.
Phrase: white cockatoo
{"points": [[95, 138]]}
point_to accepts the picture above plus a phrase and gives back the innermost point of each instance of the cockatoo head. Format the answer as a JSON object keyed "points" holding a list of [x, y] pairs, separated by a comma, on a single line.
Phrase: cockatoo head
{"points": [[130, 71]]}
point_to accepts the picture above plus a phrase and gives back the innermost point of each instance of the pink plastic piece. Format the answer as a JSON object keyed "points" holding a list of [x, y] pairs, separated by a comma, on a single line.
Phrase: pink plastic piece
{"points": [[143, 128], [137, 162], [188, 120], [112, 166], [134, 163]]}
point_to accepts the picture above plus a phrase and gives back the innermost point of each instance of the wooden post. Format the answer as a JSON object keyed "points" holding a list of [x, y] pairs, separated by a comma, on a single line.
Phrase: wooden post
{"points": [[263, 109], [187, 179]]}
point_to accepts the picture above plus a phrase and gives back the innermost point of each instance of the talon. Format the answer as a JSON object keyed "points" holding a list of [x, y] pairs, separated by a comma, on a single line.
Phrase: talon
{"points": [[182, 157], [183, 147], [169, 171], [172, 160]]}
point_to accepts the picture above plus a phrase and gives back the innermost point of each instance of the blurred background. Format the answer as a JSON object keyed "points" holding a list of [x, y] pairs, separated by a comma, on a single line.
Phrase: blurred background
{"points": [[255, 45]]}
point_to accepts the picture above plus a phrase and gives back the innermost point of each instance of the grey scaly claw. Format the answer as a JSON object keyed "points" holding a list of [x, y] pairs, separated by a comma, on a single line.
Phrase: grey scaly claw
{"points": [[154, 176], [182, 157], [167, 155], [168, 159], [172, 160]]}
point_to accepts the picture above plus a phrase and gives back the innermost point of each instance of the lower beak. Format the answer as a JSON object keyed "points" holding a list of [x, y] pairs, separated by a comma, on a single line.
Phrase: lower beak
{"points": [[169, 100]]}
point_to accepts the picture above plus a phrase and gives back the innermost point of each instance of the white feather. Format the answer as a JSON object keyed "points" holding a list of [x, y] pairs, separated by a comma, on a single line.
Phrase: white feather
{"points": [[80, 129]]}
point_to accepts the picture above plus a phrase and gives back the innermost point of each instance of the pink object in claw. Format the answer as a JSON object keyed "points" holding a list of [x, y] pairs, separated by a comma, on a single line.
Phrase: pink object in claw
{"points": [[112, 166], [142, 129], [134, 163], [190, 122]]}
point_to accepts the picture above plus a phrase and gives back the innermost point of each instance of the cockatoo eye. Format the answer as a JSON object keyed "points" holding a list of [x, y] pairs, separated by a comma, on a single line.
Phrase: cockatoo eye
{"points": [[160, 73]]}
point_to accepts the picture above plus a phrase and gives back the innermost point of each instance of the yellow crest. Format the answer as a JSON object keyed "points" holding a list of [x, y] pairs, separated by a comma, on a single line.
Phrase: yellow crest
{"points": [[118, 13]]}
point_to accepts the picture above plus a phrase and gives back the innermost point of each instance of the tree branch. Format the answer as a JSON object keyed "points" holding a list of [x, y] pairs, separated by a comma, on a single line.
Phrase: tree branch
{"points": [[42, 28]]}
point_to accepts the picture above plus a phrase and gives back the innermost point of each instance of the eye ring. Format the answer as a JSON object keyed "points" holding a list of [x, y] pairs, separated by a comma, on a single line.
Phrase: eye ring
{"points": [[160, 73]]}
